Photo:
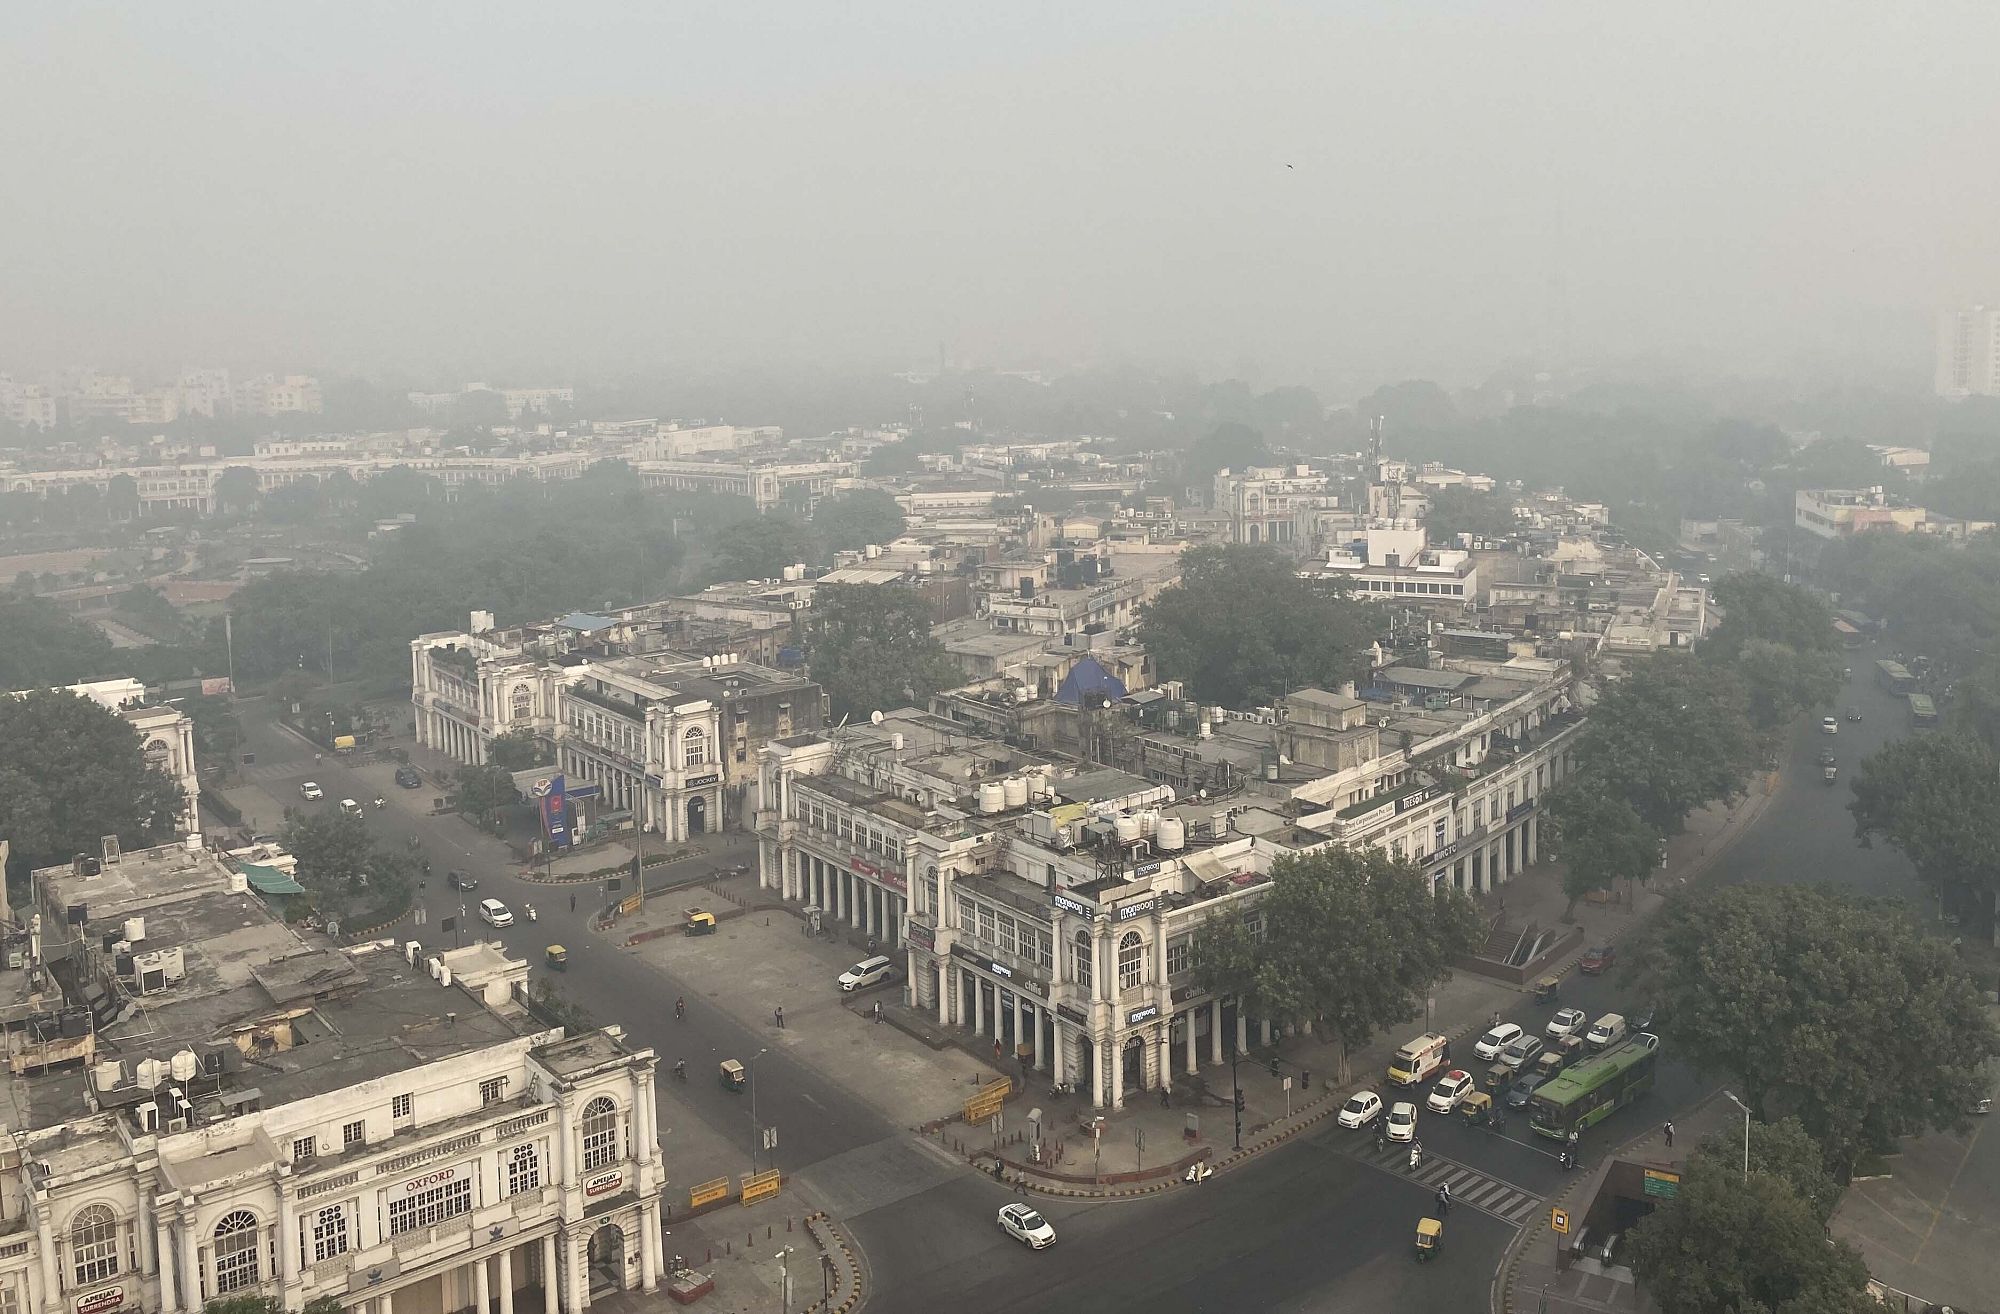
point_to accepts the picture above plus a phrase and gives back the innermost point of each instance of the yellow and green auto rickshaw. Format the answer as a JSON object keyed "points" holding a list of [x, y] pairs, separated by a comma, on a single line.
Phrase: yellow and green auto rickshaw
{"points": [[557, 958], [732, 1075], [1430, 1239], [1477, 1108], [1547, 989], [698, 923]]}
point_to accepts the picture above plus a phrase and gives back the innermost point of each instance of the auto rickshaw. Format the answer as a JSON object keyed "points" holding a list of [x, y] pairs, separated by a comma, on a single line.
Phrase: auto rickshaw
{"points": [[1546, 990], [1430, 1239], [732, 1075], [556, 957], [1828, 773], [698, 922], [1477, 1108], [1497, 1076]]}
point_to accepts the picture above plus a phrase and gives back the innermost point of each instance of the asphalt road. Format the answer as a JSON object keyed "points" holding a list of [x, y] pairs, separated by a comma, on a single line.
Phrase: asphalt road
{"points": [[1314, 1226], [819, 1120]]}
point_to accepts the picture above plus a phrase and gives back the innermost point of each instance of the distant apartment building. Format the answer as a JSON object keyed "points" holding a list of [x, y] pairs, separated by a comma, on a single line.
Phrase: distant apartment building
{"points": [[1394, 562], [27, 405], [1834, 513], [272, 394], [1273, 504], [1968, 352]]}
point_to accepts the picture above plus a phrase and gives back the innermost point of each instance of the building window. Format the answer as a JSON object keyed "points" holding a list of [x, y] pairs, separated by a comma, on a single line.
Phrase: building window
{"points": [[1045, 950], [1438, 832], [1180, 951], [400, 1106], [492, 1091], [93, 1244], [329, 1233], [354, 1133], [236, 1258], [430, 1206], [1006, 941], [986, 923], [1083, 959], [303, 1148], [1131, 960], [600, 1134], [694, 748], [524, 1169]]}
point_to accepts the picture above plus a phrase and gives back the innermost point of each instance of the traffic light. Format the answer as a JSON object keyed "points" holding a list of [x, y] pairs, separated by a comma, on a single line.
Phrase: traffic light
{"points": [[1274, 1067], [1239, 1101]]}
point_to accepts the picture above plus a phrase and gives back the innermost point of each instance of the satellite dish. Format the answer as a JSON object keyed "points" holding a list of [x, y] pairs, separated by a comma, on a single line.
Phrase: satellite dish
{"points": [[875, 718]]}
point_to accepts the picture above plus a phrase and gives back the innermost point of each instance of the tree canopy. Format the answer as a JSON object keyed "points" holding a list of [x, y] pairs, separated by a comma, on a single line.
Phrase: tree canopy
{"points": [[856, 518], [1670, 737], [517, 750], [42, 647], [870, 648], [1598, 837], [1832, 1008], [1349, 938], [72, 772], [1778, 638], [1241, 628], [1932, 797], [1749, 1246]]}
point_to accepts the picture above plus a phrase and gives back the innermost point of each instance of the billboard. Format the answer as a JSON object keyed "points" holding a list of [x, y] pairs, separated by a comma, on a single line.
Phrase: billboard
{"points": [[552, 800]]}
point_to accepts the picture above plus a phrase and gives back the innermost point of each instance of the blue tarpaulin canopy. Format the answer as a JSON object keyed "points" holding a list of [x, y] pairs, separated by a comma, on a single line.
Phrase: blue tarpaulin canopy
{"points": [[1089, 677]]}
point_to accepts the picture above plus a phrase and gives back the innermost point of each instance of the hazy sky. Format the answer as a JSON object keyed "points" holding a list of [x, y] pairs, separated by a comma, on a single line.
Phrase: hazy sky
{"points": [[518, 191]]}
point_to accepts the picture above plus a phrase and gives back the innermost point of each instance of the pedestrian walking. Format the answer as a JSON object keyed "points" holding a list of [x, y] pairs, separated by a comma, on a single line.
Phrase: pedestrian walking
{"points": [[778, 1016], [996, 1051], [1669, 1129], [572, 903], [878, 1012], [1021, 1184]]}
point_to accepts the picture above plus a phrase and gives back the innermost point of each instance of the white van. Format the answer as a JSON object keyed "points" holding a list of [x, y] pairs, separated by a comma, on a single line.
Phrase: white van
{"points": [[1419, 1059], [867, 972], [495, 913], [1606, 1031]]}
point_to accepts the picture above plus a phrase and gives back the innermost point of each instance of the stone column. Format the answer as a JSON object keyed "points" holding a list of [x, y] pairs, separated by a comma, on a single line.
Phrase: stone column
{"points": [[1242, 1030], [649, 1248], [482, 1292], [1215, 1031], [190, 1263], [507, 1281], [578, 1283], [978, 1006], [944, 992], [163, 1262], [551, 1291], [1115, 1047], [1041, 1025], [1020, 1023], [1265, 1023], [1193, 1064], [1097, 1092], [1164, 1059]]}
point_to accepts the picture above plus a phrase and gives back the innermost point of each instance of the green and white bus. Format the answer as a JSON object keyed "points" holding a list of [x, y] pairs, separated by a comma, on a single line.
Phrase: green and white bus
{"points": [[1594, 1089]]}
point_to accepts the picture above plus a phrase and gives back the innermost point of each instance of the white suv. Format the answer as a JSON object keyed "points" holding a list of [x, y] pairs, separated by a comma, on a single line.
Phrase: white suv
{"points": [[495, 913]]}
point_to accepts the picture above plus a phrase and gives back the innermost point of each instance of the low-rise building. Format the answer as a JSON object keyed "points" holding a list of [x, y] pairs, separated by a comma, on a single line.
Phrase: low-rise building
{"points": [[203, 1104]]}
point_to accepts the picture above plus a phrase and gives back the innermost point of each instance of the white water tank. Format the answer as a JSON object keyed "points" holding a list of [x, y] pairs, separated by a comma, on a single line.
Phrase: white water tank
{"points": [[896, 741], [1173, 834], [108, 1074], [1217, 715], [1127, 828], [135, 929], [1038, 784], [185, 1065], [992, 797], [1016, 788], [238, 883], [874, 551], [1206, 730], [150, 1073]]}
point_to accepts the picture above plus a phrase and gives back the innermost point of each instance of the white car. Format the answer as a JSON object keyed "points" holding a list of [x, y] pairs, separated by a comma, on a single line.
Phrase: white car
{"points": [[311, 792], [350, 807], [1566, 1022], [1402, 1121], [1829, 726], [1362, 1108], [495, 913], [1452, 1087], [1024, 1224], [1489, 1045], [867, 972]]}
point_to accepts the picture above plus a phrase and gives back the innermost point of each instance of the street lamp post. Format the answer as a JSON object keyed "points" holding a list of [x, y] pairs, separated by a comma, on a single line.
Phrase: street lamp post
{"points": [[1746, 1130], [1236, 1096], [756, 1127], [785, 1280]]}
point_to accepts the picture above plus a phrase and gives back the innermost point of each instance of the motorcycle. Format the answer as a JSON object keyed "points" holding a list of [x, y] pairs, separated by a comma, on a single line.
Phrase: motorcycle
{"points": [[1060, 1089], [533, 916], [381, 803], [1416, 1157], [1197, 1173]]}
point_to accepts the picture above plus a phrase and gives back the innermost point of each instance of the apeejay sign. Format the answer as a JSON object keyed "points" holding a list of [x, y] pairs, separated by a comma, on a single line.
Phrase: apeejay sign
{"points": [[100, 1301], [603, 1183]]}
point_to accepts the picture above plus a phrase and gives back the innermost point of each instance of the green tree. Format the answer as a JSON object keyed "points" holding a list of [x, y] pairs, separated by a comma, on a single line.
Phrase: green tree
{"points": [[484, 791], [1670, 737], [71, 772], [268, 1305], [334, 851], [1228, 446], [856, 518], [1457, 511], [41, 646], [1779, 640], [761, 547], [517, 750], [870, 647], [1351, 939], [1241, 628], [236, 489], [1599, 838], [1750, 1246], [1931, 796], [1782, 1149], [481, 408], [1832, 1008]]}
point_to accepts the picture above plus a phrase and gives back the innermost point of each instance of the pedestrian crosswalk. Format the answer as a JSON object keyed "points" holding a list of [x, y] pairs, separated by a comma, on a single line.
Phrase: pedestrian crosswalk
{"points": [[1469, 1186]]}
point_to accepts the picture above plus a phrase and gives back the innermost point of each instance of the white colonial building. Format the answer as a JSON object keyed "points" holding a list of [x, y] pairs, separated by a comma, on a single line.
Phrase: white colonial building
{"points": [[166, 738]]}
